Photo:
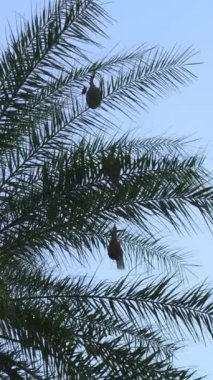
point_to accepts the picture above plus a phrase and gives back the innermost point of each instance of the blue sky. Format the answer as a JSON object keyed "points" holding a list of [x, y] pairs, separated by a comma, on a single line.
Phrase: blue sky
{"points": [[188, 112]]}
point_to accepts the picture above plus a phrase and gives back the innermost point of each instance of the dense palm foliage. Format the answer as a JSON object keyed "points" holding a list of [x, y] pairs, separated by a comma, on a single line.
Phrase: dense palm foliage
{"points": [[57, 198]]}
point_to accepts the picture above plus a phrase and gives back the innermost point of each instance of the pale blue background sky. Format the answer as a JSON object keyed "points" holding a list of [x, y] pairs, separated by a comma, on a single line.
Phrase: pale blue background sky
{"points": [[190, 111]]}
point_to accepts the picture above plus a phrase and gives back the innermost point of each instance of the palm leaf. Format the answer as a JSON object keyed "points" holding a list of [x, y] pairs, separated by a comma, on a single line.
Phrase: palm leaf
{"points": [[92, 335]]}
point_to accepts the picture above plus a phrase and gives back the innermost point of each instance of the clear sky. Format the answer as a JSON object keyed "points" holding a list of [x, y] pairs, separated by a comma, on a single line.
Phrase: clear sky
{"points": [[190, 111]]}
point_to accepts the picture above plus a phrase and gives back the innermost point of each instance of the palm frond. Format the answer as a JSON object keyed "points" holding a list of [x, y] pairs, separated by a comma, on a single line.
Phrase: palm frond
{"points": [[192, 309], [162, 71], [38, 52], [151, 253], [71, 202], [87, 323]]}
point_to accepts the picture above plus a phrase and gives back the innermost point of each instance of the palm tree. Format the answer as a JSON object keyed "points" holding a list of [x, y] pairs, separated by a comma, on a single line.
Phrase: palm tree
{"points": [[60, 196]]}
